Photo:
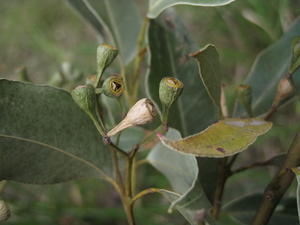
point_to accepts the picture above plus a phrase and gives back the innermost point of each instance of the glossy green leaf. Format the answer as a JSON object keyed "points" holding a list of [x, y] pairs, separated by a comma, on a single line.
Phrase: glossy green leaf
{"points": [[243, 210], [169, 46], [209, 68], [45, 137], [157, 6], [297, 173], [117, 19], [269, 67], [182, 172], [224, 138], [295, 61]]}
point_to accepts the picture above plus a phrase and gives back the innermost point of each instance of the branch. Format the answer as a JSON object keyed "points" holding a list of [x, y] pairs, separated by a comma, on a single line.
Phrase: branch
{"points": [[279, 184], [251, 166]]}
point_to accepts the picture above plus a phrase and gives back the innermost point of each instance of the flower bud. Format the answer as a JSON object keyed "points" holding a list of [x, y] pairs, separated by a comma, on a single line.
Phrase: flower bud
{"points": [[105, 56], [285, 90], [170, 89], [142, 112], [113, 86], [295, 61], [85, 98], [244, 95], [4, 211]]}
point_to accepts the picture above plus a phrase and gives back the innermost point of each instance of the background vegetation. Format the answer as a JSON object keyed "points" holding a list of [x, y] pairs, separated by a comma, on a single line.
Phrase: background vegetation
{"points": [[42, 36]]}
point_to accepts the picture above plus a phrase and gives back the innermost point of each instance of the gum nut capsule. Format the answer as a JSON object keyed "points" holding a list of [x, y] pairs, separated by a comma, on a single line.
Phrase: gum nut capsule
{"points": [[170, 89], [85, 97], [113, 86]]}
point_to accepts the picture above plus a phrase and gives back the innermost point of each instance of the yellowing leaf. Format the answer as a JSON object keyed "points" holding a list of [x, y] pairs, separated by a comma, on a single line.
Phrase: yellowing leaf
{"points": [[224, 138]]}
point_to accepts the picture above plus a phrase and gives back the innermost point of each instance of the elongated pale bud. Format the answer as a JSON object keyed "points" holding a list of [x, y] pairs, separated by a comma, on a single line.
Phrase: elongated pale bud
{"points": [[113, 86], [4, 211], [142, 112], [285, 90], [105, 56], [85, 98], [170, 89], [244, 95], [295, 61]]}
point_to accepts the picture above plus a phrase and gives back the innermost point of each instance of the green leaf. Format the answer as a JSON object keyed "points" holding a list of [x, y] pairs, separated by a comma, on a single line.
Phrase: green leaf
{"points": [[119, 19], [209, 68], [269, 67], [243, 210], [169, 46], [295, 61], [157, 6], [45, 137], [224, 138], [182, 172]]}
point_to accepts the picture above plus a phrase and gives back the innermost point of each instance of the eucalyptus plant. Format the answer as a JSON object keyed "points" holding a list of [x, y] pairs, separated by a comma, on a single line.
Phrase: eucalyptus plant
{"points": [[177, 104]]}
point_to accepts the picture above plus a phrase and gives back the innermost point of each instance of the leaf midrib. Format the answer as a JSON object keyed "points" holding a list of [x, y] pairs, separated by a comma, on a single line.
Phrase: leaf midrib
{"points": [[88, 163]]}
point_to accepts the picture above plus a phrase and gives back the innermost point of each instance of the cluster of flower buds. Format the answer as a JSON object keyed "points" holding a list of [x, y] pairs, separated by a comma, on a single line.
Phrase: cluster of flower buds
{"points": [[141, 113]]}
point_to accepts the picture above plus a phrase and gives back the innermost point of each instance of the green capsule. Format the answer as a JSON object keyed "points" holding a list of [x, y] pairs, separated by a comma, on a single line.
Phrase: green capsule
{"points": [[244, 95], [170, 89], [113, 86], [105, 56], [85, 98]]}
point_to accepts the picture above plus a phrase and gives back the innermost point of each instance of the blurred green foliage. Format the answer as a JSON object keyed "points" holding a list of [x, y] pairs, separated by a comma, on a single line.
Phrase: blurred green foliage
{"points": [[42, 35]]}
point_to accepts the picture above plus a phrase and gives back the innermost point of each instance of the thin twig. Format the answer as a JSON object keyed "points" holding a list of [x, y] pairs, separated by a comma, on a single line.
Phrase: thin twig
{"points": [[151, 191], [251, 166]]}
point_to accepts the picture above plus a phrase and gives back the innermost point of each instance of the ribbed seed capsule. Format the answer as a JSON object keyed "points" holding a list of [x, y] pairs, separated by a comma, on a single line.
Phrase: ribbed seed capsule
{"points": [[85, 98], [170, 89], [105, 56], [4, 211], [113, 86]]}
